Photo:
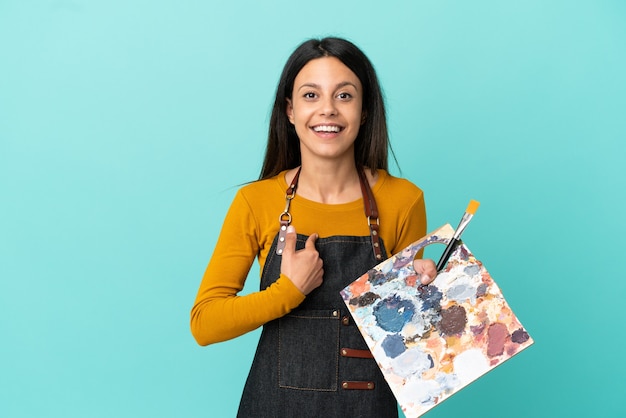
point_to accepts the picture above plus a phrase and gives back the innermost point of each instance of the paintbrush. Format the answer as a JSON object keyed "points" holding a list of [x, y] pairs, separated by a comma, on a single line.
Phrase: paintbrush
{"points": [[456, 238]]}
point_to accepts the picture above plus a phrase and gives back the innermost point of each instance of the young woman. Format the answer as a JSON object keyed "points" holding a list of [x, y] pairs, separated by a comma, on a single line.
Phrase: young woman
{"points": [[324, 175]]}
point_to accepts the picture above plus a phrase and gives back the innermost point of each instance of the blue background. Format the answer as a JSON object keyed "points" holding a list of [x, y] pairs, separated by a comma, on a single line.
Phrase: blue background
{"points": [[126, 126]]}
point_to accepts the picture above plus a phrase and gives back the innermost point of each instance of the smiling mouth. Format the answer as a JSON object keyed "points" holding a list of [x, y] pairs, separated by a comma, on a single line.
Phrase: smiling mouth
{"points": [[327, 128]]}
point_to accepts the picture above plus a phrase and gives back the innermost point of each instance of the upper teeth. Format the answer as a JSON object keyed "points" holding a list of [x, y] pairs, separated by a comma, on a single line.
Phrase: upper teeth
{"points": [[325, 128]]}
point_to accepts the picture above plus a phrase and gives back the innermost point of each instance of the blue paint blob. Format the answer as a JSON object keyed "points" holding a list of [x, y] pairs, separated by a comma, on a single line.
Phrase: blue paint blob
{"points": [[431, 297], [472, 270], [393, 345], [482, 290], [376, 277], [432, 363], [392, 313], [460, 293]]}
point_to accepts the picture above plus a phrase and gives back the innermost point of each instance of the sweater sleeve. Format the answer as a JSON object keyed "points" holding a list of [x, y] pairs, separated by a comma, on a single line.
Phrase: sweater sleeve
{"points": [[219, 314], [413, 226]]}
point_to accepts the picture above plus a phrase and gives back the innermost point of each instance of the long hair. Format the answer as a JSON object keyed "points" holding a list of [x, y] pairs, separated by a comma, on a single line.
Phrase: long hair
{"points": [[372, 142]]}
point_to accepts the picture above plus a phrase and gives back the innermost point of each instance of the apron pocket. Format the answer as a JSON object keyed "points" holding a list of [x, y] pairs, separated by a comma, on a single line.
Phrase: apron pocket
{"points": [[308, 350]]}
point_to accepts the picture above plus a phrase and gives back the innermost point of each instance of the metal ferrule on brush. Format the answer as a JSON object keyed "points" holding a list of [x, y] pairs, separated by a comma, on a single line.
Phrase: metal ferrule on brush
{"points": [[456, 238], [467, 217]]}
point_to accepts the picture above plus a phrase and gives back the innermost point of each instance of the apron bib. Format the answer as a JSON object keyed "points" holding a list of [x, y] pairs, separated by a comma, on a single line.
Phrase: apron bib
{"points": [[313, 362]]}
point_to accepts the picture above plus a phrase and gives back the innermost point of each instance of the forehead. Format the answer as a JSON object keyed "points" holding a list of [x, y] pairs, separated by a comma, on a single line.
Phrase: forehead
{"points": [[326, 71]]}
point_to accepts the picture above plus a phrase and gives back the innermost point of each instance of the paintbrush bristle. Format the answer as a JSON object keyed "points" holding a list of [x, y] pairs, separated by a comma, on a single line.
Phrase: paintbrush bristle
{"points": [[471, 208]]}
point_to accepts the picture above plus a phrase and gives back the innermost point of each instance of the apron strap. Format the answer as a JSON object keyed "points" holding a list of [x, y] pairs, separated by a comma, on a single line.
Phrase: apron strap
{"points": [[371, 212], [285, 218]]}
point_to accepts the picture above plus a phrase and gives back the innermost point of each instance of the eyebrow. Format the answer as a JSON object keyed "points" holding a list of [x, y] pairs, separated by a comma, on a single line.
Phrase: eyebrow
{"points": [[338, 86]]}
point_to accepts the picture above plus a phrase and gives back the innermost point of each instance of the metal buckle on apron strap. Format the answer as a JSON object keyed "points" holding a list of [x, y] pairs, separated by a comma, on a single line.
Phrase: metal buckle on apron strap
{"points": [[358, 385], [285, 218]]}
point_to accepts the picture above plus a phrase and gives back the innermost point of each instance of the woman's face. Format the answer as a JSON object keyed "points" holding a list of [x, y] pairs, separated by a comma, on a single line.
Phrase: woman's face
{"points": [[326, 109]]}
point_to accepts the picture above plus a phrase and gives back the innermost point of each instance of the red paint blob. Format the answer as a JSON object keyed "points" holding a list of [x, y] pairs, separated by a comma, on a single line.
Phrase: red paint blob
{"points": [[497, 336]]}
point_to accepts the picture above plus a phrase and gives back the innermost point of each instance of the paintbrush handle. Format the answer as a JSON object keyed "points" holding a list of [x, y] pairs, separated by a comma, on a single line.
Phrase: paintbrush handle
{"points": [[447, 253]]}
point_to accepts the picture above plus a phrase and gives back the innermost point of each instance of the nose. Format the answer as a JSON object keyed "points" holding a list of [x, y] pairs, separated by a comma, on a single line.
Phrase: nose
{"points": [[328, 107]]}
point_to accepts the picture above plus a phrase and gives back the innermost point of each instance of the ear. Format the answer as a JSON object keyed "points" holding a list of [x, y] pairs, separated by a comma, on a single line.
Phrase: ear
{"points": [[289, 110]]}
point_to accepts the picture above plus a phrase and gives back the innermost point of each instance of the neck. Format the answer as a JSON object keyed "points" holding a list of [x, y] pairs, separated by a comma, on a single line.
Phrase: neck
{"points": [[330, 183]]}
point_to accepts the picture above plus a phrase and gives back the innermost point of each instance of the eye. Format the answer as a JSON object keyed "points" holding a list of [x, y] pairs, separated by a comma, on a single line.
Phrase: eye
{"points": [[344, 96], [309, 95]]}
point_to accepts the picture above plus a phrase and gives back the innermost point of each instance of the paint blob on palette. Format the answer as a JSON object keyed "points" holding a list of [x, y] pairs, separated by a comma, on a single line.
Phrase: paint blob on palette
{"points": [[431, 341]]}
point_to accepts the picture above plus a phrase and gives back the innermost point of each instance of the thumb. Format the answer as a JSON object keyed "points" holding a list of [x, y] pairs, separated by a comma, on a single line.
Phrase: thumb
{"points": [[426, 270], [290, 240], [310, 242]]}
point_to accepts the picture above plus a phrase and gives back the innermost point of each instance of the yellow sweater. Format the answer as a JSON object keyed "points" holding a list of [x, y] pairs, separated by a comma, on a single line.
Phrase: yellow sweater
{"points": [[249, 229]]}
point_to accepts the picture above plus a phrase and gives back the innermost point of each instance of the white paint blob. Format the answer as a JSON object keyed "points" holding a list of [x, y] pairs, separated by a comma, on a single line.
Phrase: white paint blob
{"points": [[469, 365]]}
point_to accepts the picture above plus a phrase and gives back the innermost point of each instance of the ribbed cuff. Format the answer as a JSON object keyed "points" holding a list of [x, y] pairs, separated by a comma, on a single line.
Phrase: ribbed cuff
{"points": [[291, 296]]}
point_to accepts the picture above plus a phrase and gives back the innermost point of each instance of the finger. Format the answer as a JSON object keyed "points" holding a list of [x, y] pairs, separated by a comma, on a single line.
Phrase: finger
{"points": [[429, 271], [425, 272], [426, 279], [310, 242], [290, 240]]}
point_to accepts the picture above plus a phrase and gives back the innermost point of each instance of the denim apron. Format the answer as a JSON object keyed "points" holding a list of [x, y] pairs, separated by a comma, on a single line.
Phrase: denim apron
{"points": [[313, 362]]}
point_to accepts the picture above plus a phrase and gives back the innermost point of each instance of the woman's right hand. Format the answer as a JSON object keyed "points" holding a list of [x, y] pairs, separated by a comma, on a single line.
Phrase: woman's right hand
{"points": [[303, 267]]}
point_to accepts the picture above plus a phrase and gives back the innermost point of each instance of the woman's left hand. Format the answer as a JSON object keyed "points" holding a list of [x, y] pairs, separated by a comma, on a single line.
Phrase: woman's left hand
{"points": [[426, 270]]}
